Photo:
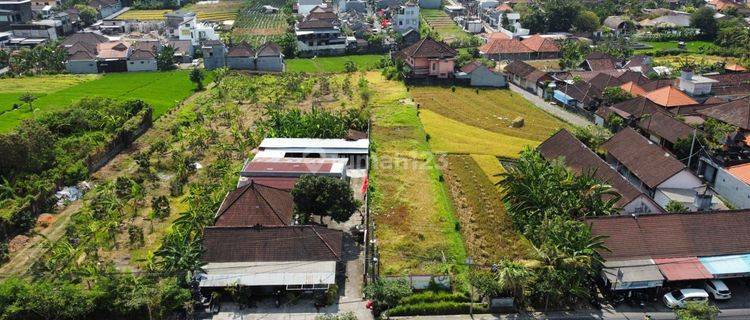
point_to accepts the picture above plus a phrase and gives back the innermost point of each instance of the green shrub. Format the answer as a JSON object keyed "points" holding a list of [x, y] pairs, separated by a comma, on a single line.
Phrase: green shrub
{"points": [[432, 296], [436, 308]]}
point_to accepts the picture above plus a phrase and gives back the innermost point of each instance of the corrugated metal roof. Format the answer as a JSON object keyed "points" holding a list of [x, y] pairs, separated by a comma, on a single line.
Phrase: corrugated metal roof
{"points": [[643, 270], [727, 265], [269, 273], [315, 145]]}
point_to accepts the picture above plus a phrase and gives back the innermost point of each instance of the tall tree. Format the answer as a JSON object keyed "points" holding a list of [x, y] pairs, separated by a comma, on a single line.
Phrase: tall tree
{"points": [[324, 196], [587, 21], [561, 14], [196, 76], [704, 20], [87, 14], [165, 58]]}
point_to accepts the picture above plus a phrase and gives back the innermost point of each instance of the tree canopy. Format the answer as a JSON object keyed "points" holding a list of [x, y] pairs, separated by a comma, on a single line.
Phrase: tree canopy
{"points": [[324, 196], [704, 20]]}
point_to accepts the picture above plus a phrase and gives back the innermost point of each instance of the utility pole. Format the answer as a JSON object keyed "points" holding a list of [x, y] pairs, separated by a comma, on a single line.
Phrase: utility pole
{"points": [[692, 146]]}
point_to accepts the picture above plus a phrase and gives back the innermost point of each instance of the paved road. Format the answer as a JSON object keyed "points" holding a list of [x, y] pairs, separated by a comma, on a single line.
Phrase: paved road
{"points": [[732, 314], [554, 110]]}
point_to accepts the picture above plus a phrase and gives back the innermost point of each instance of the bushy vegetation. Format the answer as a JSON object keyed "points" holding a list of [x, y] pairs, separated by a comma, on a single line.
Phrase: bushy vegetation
{"points": [[325, 197], [293, 123], [437, 308], [58, 149]]}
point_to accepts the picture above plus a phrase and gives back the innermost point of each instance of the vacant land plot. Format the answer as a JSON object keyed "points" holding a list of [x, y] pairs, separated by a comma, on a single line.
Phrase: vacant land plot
{"points": [[486, 229], [416, 229], [676, 62], [470, 121], [163, 90], [12, 88], [690, 46], [439, 21], [332, 64], [143, 15], [257, 27], [216, 12]]}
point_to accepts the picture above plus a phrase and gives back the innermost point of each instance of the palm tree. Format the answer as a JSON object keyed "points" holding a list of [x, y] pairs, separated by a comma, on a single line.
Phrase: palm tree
{"points": [[514, 276]]}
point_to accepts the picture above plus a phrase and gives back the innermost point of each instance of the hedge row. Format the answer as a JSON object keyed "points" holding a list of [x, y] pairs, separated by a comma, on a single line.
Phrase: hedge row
{"points": [[436, 308], [432, 296]]}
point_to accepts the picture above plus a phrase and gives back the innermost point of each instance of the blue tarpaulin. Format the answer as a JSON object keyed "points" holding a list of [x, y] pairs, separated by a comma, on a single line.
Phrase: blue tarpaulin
{"points": [[727, 266]]}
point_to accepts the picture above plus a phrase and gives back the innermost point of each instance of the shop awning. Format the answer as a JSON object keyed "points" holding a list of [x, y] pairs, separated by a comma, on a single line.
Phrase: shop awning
{"points": [[728, 266], [679, 269], [277, 273], [633, 274]]}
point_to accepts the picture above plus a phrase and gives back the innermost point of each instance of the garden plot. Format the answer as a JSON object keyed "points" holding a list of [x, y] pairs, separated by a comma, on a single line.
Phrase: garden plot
{"points": [[487, 230], [143, 15], [415, 225], [257, 27], [439, 21], [218, 11]]}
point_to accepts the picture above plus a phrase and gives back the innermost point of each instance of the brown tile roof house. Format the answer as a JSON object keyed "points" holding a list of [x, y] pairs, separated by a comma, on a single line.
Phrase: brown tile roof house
{"points": [[519, 68], [731, 83], [580, 159], [87, 40], [240, 51], [652, 85], [736, 113], [256, 204], [653, 119], [314, 24], [651, 164], [429, 48], [140, 54], [113, 50], [533, 47], [598, 61], [264, 244], [673, 235]]}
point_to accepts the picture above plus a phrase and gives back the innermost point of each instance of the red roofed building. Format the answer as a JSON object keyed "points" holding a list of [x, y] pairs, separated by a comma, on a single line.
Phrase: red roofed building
{"points": [[532, 48], [430, 58]]}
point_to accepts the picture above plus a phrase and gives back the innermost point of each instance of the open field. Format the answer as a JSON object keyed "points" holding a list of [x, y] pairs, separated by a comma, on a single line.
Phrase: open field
{"points": [[439, 21], [675, 62], [12, 88], [690, 46], [468, 122], [416, 228], [143, 15], [257, 27], [331, 64], [163, 90], [487, 230], [216, 12]]}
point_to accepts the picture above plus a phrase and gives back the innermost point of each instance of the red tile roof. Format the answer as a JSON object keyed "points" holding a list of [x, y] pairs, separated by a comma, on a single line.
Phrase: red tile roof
{"points": [[540, 44], [674, 235], [648, 162], [682, 269], [262, 244], [633, 89], [504, 46], [670, 97], [256, 204]]}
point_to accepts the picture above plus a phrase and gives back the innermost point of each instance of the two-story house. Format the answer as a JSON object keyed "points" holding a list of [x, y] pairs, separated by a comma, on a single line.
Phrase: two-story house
{"points": [[14, 12], [406, 17], [429, 58]]}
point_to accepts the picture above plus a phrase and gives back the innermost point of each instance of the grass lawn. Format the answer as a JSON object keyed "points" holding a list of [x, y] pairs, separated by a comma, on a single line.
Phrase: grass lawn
{"points": [[163, 90], [416, 226], [438, 20], [690, 46], [487, 230], [468, 122], [331, 64]]}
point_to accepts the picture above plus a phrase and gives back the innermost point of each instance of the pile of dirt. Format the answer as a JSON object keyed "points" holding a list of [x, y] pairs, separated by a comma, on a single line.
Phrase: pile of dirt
{"points": [[17, 243]]}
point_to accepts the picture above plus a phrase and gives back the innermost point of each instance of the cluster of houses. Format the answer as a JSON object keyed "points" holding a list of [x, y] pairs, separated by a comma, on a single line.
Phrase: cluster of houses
{"points": [[257, 241]]}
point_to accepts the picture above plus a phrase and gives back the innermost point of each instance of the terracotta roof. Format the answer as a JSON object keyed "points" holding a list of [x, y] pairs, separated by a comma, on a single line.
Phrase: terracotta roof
{"points": [[734, 67], [429, 48], [256, 204], [580, 159], [498, 35], [632, 76], [741, 171], [504, 46], [113, 50], [504, 7], [520, 68], [540, 44], [652, 85], [683, 269], [673, 235], [731, 83], [258, 244], [633, 89], [241, 50], [736, 113], [269, 49], [670, 97], [647, 161], [470, 67]]}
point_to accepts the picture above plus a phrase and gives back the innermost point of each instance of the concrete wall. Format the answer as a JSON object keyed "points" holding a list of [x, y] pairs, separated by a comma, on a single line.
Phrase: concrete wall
{"points": [[79, 67], [734, 190], [270, 64], [141, 65], [682, 180], [214, 57], [482, 77], [241, 63], [641, 204]]}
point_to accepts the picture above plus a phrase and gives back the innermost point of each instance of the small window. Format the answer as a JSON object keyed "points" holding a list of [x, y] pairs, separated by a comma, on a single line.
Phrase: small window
{"points": [[141, 61]]}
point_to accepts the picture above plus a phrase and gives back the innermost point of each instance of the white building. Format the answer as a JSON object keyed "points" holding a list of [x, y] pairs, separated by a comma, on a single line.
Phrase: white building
{"points": [[195, 31], [356, 151], [695, 85], [407, 17]]}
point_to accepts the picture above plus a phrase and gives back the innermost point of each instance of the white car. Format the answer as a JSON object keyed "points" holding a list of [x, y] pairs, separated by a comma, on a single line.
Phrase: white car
{"points": [[718, 290], [678, 298]]}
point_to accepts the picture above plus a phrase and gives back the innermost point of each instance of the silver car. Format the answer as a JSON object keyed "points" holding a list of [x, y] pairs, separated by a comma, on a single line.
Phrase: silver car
{"points": [[718, 290], [678, 298]]}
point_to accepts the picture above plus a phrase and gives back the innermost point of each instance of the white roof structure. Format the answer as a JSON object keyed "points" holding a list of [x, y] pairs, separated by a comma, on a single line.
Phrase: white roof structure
{"points": [[307, 145], [318, 274]]}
